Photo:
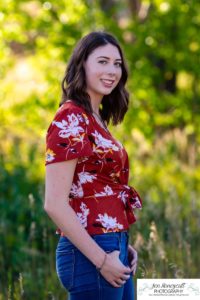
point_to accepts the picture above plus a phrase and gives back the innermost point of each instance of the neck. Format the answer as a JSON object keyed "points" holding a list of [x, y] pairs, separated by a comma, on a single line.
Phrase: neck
{"points": [[100, 120], [95, 106], [95, 101]]}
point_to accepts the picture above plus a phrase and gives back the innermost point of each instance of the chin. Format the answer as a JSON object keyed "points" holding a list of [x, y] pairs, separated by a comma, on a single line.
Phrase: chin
{"points": [[107, 92], [103, 92]]}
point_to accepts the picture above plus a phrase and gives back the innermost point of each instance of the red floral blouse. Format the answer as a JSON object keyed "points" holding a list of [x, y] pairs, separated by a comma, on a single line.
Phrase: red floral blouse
{"points": [[100, 194]]}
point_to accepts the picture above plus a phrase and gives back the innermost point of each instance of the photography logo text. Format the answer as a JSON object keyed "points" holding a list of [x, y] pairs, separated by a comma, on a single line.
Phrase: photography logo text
{"points": [[168, 288]]}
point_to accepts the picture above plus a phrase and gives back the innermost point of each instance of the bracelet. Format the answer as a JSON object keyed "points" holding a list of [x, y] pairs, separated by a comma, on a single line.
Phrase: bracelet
{"points": [[99, 269]]}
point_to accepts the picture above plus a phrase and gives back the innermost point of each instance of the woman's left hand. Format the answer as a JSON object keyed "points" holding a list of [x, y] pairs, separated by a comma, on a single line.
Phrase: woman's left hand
{"points": [[132, 258]]}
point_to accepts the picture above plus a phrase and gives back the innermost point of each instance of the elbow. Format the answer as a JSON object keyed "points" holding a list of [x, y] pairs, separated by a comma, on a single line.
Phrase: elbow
{"points": [[50, 206], [49, 210], [47, 206]]}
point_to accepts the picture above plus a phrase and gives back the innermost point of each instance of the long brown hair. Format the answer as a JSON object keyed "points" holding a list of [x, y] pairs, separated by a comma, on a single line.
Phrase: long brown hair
{"points": [[113, 106]]}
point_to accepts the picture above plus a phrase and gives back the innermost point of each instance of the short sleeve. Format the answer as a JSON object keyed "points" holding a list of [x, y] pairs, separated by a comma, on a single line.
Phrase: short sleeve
{"points": [[67, 135]]}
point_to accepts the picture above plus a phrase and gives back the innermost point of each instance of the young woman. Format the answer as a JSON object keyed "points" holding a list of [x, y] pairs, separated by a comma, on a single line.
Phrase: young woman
{"points": [[87, 194]]}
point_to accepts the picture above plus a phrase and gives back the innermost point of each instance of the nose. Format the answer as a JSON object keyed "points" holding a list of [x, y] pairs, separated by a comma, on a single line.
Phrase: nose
{"points": [[111, 70]]}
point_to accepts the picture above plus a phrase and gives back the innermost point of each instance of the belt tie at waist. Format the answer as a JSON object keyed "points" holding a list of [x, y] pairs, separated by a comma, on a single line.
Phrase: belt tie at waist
{"points": [[132, 202]]}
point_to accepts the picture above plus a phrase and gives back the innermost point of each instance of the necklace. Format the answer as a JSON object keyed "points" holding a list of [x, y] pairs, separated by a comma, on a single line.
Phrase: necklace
{"points": [[101, 120]]}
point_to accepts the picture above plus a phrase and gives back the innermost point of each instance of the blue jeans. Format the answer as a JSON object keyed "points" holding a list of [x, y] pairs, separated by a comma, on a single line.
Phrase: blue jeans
{"points": [[79, 276]]}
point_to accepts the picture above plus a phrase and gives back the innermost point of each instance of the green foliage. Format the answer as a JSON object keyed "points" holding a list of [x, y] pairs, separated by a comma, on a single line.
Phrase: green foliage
{"points": [[160, 131]]}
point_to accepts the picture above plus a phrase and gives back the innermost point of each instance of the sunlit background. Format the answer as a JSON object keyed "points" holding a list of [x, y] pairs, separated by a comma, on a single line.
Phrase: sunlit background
{"points": [[161, 131]]}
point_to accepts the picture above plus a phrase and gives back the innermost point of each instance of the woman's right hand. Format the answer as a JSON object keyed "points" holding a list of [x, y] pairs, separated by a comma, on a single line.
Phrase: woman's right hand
{"points": [[114, 271]]}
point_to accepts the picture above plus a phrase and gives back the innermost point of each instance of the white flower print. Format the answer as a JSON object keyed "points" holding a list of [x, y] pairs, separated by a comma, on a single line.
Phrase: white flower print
{"points": [[76, 190], [133, 199], [83, 215], [106, 144], [109, 222], [107, 191], [70, 127], [123, 195], [120, 144], [61, 125], [85, 177], [137, 203]]}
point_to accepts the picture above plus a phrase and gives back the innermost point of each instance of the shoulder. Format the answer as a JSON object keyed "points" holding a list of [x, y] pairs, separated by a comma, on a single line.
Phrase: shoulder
{"points": [[70, 109], [70, 106], [69, 114], [67, 136]]}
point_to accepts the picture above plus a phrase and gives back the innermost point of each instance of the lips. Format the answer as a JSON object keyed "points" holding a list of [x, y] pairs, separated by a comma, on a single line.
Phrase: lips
{"points": [[108, 82]]}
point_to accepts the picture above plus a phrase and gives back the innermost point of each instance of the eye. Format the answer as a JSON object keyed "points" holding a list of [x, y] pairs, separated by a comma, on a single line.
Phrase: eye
{"points": [[103, 62], [118, 64]]}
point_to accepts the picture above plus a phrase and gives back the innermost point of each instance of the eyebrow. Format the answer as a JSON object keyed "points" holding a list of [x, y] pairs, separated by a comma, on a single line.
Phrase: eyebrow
{"points": [[109, 58]]}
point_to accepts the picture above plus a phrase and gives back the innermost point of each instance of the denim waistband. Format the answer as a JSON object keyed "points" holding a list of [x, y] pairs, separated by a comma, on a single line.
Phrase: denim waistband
{"points": [[121, 235], [107, 241], [113, 233]]}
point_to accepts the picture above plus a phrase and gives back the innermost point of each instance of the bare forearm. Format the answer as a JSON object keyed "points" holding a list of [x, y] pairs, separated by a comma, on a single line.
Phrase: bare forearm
{"points": [[65, 218]]}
